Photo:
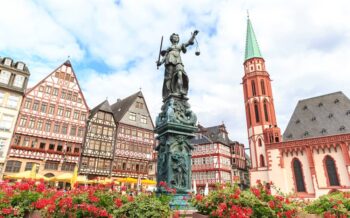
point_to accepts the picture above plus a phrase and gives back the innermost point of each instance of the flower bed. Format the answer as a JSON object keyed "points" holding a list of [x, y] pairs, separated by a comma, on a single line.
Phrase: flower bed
{"points": [[20, 198]]}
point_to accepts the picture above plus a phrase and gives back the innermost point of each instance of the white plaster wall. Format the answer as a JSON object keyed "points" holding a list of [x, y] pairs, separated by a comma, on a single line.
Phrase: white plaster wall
{"points": [[276, 174], [258, 175]]}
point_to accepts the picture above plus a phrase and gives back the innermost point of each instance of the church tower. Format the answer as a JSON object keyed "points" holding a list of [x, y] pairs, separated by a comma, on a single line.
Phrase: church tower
{"points": [[259, 106]]}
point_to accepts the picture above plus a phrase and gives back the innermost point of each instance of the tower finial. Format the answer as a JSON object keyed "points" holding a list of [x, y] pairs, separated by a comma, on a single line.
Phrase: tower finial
{"points": [[247, 13]]}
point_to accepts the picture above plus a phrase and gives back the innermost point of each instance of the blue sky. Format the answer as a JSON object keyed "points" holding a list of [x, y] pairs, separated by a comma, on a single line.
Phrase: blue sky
{"points": [[113, 46]]}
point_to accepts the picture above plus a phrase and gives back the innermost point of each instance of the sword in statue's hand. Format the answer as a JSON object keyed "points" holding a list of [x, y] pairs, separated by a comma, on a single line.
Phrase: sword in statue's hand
{"points": [[160, 51]]}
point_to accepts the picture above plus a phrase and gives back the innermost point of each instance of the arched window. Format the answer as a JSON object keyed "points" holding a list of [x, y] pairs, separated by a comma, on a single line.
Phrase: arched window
{"points": [[13, 166], [253, 88], [262, 83], [298, 176], [259, 142], [249, 116], [262, 161], [256, 109], [331, 171], [245, 90], [265, 111]]}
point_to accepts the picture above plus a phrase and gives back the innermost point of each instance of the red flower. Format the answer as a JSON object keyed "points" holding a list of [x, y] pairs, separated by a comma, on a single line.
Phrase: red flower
{"points": [[118, 202], [123, 188], [24, 187], [40, 188], [6, 211], [199, 197], [176, 214], [256, 192], [94, 199], [130, 198], [271, 204]]}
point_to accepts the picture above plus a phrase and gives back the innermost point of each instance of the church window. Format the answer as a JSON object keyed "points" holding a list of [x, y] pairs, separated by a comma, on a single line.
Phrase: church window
{"points": [[259, 142], [331, 171], [262, 161], [262, 87], [265, 111], [298, 176], [253, 88], [256, 109], [249, 116]]}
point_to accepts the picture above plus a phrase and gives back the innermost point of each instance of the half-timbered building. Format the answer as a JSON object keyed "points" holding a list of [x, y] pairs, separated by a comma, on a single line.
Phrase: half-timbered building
{"points": [[135, 138], [212, 156], [13, 81], [50, 126], [99, 142]]}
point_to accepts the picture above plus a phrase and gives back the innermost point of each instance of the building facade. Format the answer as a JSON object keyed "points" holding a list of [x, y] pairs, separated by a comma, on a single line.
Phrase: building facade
{"points": [[13, 82], [135, 139], [99, 143], [312, 158], [215, 158], [239, 164], [50, 127]]}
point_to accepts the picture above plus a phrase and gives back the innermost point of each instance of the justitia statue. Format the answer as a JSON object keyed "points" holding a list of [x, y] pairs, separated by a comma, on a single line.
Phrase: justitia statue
{"points": [[175, 77], [175, 124]]}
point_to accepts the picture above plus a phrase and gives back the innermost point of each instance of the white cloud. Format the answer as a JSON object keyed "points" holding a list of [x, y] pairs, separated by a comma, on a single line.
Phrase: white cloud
{"points": [[305, 46]]}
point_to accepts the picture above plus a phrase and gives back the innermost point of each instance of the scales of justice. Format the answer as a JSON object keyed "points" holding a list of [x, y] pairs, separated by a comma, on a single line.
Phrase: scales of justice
{"points": [[175, 124]]}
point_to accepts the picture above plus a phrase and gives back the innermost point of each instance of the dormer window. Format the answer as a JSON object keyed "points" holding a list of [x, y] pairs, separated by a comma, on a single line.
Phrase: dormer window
{"points": [[347, 113], [8, 61], [20, 66], [323, 131], [320, 104], [306, 133], [290, 136], [313, 118], [336, 101], [342, 128], [330, 115], [305, 108], [297, 121]]}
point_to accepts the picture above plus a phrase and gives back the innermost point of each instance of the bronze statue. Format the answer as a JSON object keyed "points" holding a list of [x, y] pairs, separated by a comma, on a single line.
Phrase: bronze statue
{"points": [[175, 77]]}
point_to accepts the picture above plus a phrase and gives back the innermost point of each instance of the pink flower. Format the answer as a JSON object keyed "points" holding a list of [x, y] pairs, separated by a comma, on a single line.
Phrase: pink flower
{"points": [[118, 202]]}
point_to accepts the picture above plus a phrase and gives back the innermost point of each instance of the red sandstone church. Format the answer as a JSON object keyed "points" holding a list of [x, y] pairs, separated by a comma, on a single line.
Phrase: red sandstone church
{"points": [[312, 157]]}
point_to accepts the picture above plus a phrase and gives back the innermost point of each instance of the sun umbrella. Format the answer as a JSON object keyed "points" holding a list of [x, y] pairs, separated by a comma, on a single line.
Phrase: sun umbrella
{"points": [[27, 175], [75, 176], [206, 189], [148, 182], [194, 187]]}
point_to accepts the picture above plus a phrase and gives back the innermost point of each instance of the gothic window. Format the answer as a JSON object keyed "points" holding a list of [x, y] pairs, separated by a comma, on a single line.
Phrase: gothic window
{"points": [[259, 142], [265, 111], [262, 83], [249, 116], [298, 176], [331, 171], [253, 88], [262, 161], [13, 166], [256, 109]]}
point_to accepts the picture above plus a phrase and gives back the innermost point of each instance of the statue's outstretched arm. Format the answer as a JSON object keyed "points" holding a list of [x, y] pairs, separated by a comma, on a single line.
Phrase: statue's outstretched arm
{"points": [[191, 40]]}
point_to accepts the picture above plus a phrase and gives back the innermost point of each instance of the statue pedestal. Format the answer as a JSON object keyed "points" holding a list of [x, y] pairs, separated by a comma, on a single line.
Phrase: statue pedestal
{"points": [[175, 126]]}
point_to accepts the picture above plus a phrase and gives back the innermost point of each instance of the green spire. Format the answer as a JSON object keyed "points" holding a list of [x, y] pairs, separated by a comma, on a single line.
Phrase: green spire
{"points": [[251, 45]]}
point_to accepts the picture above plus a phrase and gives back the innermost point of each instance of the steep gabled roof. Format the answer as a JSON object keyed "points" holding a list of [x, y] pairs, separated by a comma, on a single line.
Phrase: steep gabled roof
{"points": [[122, 106], [103, 106], [200, 139], [214, 133], [319, 116]]}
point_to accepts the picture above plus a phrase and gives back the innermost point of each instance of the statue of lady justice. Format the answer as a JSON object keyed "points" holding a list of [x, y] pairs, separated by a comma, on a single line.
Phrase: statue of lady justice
{"points": [[175, 77]]}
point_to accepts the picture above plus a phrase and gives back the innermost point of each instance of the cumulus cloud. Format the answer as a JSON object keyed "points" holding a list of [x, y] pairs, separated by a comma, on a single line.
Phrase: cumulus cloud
{"points": [[113, 46]]}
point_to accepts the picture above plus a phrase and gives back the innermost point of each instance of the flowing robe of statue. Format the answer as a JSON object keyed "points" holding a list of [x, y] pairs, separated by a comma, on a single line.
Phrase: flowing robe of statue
{"points": [[175, 77]]}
